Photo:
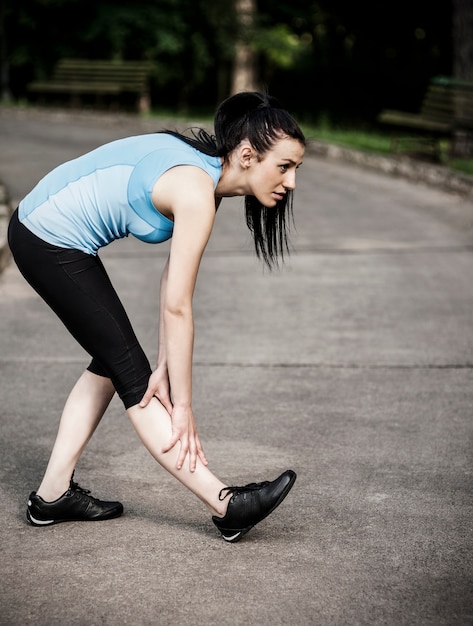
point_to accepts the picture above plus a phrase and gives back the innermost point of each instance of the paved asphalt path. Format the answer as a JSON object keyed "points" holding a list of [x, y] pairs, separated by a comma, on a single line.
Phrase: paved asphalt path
{"points": [[354, 366]]}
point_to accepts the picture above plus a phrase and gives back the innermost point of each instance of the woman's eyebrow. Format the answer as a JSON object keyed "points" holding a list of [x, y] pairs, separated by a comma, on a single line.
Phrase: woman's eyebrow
{"points": [[292, 162]]}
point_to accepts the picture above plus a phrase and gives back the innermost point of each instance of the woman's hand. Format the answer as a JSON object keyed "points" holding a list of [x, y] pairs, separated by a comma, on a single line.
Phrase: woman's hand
{"points": [[158, 387], [184, 429]]}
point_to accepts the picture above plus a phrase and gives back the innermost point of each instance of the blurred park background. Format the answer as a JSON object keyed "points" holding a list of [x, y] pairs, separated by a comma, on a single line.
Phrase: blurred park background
{"points": [[336, 64]]}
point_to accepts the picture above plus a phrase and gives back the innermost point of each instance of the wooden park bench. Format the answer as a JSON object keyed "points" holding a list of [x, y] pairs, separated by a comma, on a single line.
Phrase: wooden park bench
{"points": [[114, 81], [446, 112]]}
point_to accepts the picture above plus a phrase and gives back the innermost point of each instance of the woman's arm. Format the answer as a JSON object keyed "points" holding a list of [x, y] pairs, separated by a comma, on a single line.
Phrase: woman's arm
{"points": [[158, 385], [187, 193], [161, 360]]}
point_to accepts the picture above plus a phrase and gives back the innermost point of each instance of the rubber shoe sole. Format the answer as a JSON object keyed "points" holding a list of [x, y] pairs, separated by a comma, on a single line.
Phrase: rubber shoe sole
{"points": [[246, 497]]}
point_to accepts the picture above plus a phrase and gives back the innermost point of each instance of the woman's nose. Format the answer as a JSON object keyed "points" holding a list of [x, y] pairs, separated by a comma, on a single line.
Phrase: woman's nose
{"points": [[290, 181]]}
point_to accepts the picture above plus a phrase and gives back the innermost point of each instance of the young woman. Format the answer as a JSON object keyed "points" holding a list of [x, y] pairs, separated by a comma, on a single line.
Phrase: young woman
{"points": [[154, 186]]}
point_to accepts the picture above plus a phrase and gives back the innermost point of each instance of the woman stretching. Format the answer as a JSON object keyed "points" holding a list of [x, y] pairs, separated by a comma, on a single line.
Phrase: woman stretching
{"points": [[154, 187]]}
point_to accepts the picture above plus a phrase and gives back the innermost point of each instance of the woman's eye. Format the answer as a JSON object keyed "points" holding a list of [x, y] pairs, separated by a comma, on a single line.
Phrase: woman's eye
{"points": [[284, 168]]}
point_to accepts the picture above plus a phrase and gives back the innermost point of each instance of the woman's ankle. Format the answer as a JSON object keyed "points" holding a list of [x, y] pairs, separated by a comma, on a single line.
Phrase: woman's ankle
{"points": [[51, 492], [218, 507]]}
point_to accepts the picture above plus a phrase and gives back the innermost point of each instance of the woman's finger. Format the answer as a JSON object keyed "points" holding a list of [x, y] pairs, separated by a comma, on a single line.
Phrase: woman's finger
{"points": [[172, 442], [147, 397], [166, 402], [182, 453]]}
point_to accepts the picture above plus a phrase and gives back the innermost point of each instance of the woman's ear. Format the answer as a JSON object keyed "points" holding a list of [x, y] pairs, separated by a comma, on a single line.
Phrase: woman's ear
{"points": [[246, 155]]}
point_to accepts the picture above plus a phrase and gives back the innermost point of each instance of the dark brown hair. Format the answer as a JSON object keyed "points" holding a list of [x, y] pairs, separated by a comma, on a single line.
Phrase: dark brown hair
{"points": [[261, 120]]}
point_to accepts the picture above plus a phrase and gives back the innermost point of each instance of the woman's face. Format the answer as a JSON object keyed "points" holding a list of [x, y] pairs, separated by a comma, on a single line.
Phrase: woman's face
{"points": [[272, 177]]}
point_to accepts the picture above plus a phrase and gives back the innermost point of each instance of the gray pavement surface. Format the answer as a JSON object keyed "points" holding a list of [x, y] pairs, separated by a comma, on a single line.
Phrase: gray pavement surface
{"points": [[353, 365]]}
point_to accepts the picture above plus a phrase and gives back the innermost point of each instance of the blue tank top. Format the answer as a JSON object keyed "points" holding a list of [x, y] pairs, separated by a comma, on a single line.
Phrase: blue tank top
{"points": [[105, 194]]}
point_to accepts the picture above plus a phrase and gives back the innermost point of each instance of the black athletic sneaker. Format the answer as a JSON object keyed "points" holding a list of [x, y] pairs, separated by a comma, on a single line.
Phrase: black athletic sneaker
{"points": [[76, 505], [251, 504]]}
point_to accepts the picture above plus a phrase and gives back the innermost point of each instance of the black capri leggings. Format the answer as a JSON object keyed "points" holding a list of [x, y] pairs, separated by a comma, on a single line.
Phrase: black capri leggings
{"points": [[77, 288]]}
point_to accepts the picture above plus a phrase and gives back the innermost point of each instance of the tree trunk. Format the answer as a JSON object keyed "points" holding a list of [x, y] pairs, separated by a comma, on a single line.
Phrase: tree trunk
{"points": [[463, 39], [244, 69], [463, 67]]}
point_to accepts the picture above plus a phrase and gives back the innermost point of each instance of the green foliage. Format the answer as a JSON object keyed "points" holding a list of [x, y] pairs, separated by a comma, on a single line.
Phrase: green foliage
{"points": [[462, 165], [360, 139], [280, 45], [314, 55], [374, 141]]}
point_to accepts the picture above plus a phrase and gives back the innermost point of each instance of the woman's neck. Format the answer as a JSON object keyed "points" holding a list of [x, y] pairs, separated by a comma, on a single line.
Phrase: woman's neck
{"points": [[233, 181]]}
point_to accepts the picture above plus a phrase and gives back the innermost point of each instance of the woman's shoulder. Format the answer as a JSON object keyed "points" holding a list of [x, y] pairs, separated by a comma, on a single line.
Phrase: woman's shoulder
{"points": [[169, 152]]}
